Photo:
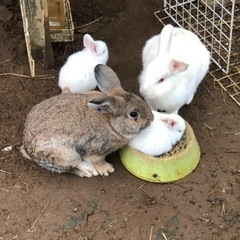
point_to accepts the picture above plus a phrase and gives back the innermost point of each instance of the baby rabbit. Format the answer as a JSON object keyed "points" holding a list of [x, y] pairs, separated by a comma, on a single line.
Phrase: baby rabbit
{"points": [[74, 132], [77, 74], [162, 134], [174, 63]]}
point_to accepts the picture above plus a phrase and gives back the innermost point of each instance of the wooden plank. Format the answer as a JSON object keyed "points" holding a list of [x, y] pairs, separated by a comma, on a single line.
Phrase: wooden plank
{"points": [[36, 31]]}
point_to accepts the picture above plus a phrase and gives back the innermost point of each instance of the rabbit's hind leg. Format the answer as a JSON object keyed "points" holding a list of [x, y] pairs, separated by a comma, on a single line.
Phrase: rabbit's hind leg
{"points": [[102, 167], [58, 157], [85, 169], [69, 158]]}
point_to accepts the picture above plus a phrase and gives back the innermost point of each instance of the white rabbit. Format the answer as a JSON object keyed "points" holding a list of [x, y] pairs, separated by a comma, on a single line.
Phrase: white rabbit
{"points": [[174, 63], [77, 74], [162, 134], [74, 132]]}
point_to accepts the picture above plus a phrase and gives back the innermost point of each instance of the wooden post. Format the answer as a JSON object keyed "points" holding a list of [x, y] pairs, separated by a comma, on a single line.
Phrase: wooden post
{"points": [[37, 33]]}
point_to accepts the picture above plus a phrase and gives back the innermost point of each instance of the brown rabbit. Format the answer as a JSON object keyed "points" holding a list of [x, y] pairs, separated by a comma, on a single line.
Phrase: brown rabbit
{"points": [[74, 132]]}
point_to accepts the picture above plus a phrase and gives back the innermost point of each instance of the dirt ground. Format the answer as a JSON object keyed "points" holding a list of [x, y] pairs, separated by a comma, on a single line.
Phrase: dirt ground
{"points": [[38, 205]]}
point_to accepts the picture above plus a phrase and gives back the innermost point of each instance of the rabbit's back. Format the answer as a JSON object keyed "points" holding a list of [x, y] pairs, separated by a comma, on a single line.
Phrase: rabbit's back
{"points": [[63, 116], [187, 47], [78, 72]]}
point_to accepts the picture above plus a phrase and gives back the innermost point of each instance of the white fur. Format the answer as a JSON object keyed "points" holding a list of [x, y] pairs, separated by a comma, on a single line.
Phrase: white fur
{"points": [[160, 53], [162, 134], [77, 74]]}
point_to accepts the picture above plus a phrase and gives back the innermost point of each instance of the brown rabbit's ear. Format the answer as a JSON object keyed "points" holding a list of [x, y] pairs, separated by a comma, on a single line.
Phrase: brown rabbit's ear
{"points": [[107, 79], [105, 103]]}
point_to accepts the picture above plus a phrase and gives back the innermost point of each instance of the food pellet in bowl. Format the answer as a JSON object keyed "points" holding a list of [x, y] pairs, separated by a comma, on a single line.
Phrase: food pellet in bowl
{"points": [[177, 148]]}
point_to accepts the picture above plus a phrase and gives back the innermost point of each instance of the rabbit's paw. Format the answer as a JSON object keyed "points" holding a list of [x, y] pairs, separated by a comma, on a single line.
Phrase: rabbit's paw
{"points": [[86, 169], [104, 169]]}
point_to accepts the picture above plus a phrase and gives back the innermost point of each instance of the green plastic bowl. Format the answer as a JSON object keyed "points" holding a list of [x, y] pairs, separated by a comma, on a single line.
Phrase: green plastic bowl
{"points": [[163, 170]]}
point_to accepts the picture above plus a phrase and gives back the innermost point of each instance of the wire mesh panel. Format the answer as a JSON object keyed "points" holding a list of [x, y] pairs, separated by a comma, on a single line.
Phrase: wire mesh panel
{"points": [[217, 23]]}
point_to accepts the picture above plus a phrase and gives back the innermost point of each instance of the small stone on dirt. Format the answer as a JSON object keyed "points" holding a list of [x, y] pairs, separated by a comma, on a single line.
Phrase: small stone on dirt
{"points": [[75, 209]]}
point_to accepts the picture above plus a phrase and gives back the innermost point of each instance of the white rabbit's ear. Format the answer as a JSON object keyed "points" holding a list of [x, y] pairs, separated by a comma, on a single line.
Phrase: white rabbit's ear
{"points": [[107, 79], [171, 123], [165, 39], [105, 103], [88, 42], [177, 66]]}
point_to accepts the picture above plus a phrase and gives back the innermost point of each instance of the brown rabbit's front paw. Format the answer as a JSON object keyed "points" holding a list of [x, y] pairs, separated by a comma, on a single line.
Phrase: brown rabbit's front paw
{"points": [[104, 169]]}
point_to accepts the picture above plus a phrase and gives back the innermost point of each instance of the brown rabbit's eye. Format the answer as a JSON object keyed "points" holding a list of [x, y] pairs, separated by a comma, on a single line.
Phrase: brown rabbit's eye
{"points": [[160, 80], [134, 115]]}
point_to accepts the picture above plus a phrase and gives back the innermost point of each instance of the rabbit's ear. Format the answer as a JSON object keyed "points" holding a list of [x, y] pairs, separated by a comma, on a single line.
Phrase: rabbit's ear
{"points": [[105, 103], [107, 79], [177, 66], [165, 40], [170, 122], [88, 42]]}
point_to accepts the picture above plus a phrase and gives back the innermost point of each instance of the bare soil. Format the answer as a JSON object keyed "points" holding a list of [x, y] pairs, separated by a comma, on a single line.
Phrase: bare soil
{"points": [[37, 204]]}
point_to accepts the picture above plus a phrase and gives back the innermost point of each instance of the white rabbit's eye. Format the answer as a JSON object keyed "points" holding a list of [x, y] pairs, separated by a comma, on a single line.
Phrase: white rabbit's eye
{"points": [[134, 115], [160, 80]]}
